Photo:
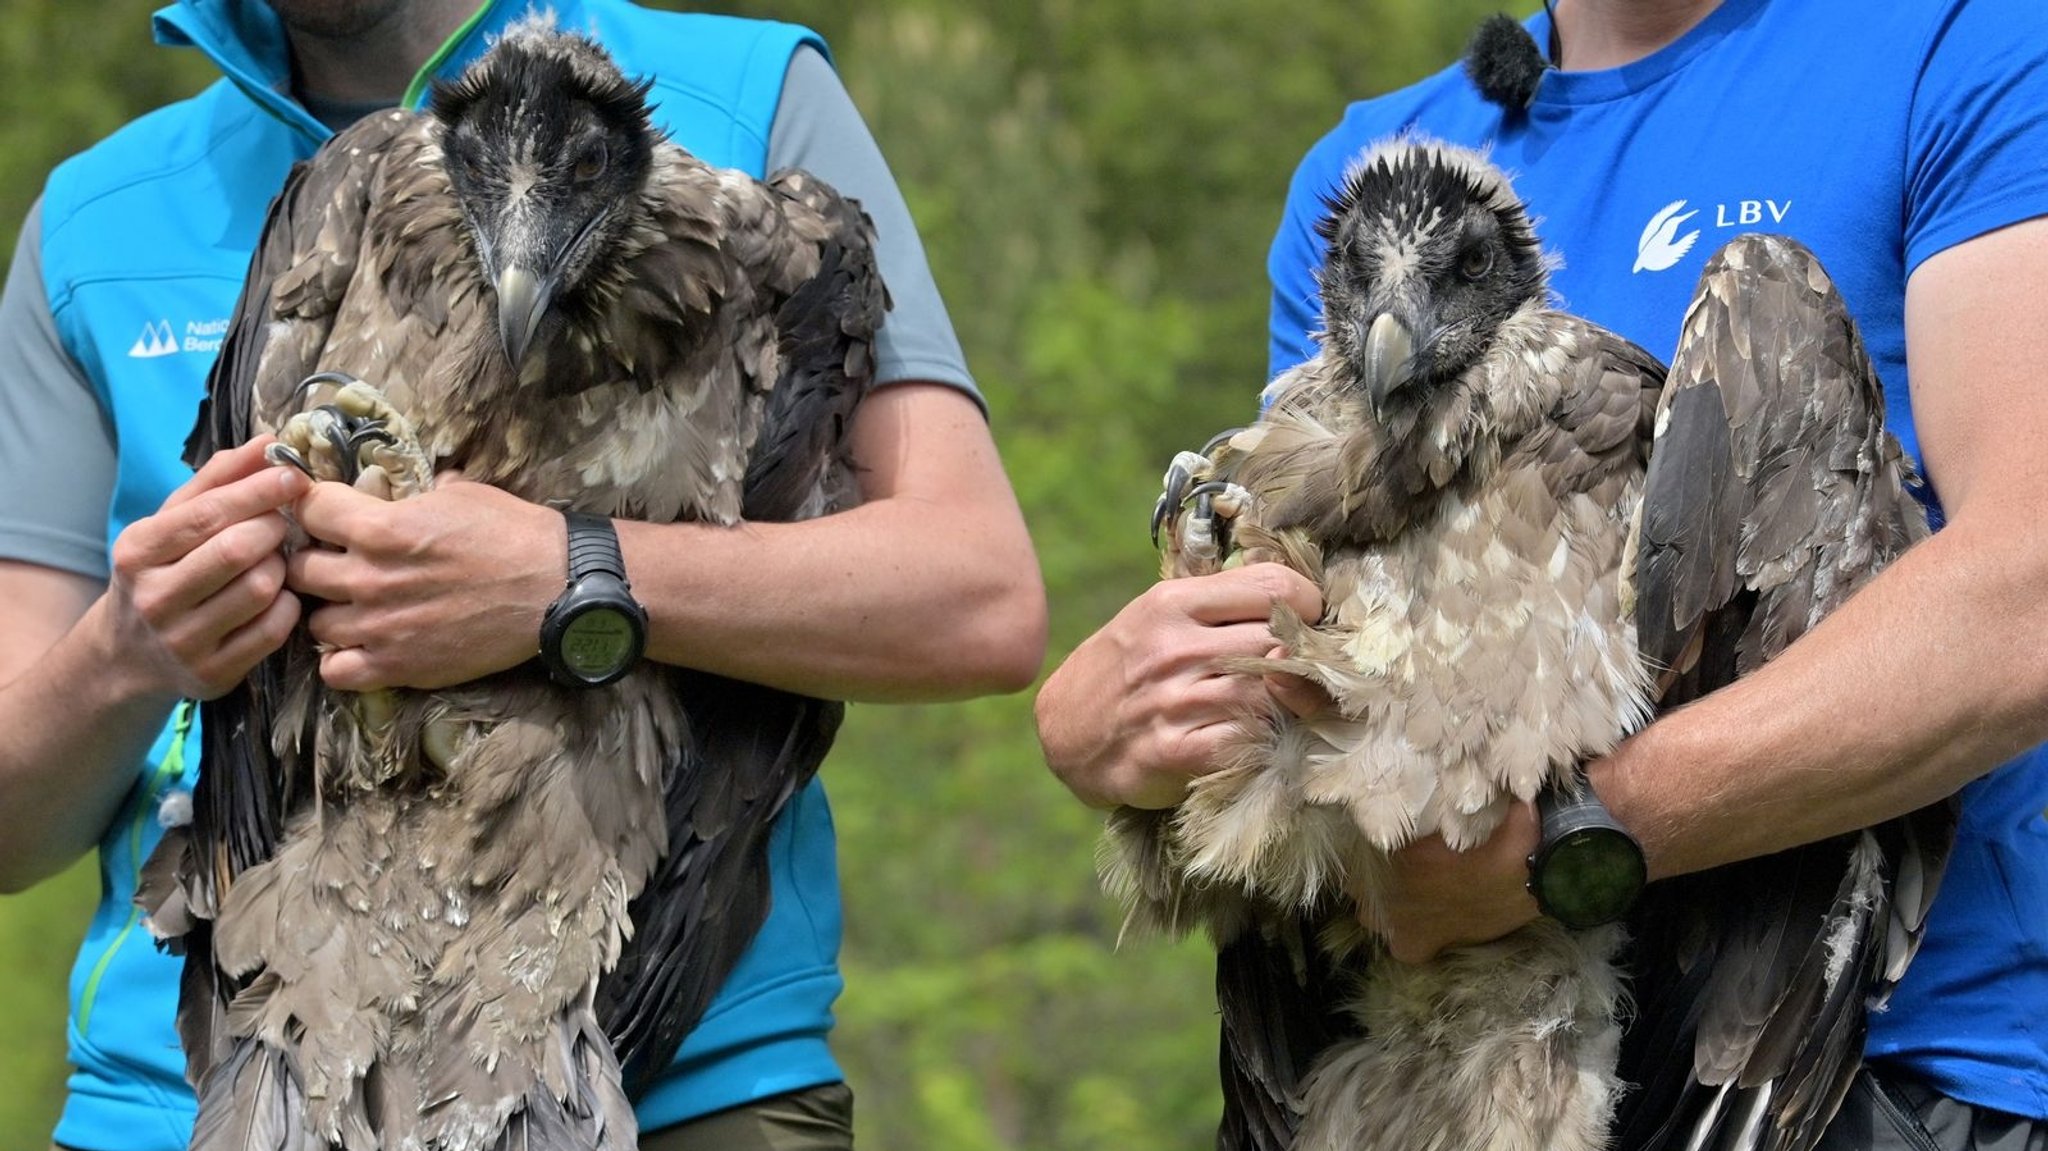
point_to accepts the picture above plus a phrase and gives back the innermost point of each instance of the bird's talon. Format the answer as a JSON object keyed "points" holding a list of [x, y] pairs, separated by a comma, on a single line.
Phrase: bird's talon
{"points": [[372, 432], [1164, 507], [1182, 471], [357, 433], [281, 455], [1216, 441], [338, 379]]}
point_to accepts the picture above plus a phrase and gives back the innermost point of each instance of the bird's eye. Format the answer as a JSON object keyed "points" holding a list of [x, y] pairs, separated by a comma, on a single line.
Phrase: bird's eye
{"points": [[590, 163], [1476, 263]]}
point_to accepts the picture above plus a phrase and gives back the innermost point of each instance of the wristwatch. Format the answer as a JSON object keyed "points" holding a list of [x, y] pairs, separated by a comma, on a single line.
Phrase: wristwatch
{"points": [[595, 630], [1587, 870]]}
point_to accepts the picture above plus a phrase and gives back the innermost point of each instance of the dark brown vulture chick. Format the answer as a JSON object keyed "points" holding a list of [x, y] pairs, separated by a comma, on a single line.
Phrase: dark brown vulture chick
{"points": [[1526, 543], [447, 919]]}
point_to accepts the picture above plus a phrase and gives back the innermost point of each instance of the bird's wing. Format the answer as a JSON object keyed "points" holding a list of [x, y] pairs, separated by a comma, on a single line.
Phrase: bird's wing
{"points": [[749, 749], [1773, 494], [305, 260], [825, 327], [249, 782], [807, 261], [1280, 996], [1598, 434]]}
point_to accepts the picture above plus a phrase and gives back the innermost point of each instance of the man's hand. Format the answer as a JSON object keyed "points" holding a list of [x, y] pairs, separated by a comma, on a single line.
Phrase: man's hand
{"points": [[1140, 707], [1438, 898], [196, 597], [438, 589]]}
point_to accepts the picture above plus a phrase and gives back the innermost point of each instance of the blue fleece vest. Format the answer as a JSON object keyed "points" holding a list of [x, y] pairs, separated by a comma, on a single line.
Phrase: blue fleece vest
{"points": [[146, 238]]}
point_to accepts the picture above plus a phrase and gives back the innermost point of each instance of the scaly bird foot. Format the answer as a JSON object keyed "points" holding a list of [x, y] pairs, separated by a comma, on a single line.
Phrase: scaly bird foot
{"points": [[1180, 486], [357, 438], [1174, 488], [1207, 535]]}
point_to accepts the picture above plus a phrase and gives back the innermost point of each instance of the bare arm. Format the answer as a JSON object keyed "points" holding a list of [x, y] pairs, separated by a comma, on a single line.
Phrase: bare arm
{"points": [[88, 674], [59, 781], [929, 590], [1931, 676]]}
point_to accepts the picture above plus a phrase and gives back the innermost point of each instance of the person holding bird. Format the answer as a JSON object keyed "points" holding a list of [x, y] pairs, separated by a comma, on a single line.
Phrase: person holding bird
{"points": [[1903, 148], [129, 584]]}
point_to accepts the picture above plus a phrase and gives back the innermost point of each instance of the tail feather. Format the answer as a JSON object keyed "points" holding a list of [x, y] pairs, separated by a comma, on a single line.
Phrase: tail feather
{"points": [[253, 1101]]}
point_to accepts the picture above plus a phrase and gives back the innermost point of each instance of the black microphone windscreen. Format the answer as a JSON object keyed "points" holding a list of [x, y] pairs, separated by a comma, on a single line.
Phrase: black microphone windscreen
{"points": [[1504, 62]]}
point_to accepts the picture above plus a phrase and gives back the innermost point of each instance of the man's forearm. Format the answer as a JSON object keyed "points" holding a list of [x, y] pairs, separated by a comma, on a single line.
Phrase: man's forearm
{"points": [[845, 607], [927, 591], [1877, 711], [1874, 713], [75, 728]]}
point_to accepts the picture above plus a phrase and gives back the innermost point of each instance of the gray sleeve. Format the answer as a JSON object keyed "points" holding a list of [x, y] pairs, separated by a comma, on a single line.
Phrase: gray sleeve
{"points": [[56, 445], [818, 129]]}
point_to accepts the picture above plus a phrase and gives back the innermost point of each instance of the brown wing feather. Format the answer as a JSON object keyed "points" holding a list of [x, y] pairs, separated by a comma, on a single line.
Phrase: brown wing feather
{"points": [[304, 259], [1773, 493], [1279, 995], [810, 255], [825, 329]]}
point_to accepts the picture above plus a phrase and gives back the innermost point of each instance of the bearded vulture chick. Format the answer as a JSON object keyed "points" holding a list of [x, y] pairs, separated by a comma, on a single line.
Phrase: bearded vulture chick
{"points": [[473, 917], [1527, 543]]}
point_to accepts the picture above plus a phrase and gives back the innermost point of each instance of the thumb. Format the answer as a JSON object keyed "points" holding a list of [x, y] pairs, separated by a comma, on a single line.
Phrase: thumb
{"points": [[1301, 696]]}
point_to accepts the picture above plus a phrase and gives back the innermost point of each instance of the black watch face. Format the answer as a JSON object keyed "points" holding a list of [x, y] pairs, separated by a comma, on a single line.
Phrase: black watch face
{"points": [[1589, 877], [597, 643]]}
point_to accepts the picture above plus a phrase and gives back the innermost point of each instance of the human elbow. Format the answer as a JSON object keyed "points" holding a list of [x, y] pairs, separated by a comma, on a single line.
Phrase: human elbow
{"points": [[1016, 644], [1001, 643]]}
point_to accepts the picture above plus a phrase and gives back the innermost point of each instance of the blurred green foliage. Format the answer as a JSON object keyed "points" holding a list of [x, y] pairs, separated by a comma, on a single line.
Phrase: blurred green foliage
{"points": [[1095, 182]]}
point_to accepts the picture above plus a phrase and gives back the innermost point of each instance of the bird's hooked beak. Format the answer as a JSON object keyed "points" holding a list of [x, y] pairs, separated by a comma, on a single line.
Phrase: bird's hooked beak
{"points": [[528, 258], [523, 299], [1389, 359]]}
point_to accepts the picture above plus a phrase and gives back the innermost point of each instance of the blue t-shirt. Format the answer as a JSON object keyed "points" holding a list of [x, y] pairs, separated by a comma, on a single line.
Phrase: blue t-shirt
{"points": [[1878, 134]]}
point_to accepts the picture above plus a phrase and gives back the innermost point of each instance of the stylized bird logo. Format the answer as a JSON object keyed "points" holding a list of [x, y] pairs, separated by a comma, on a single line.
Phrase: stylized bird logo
{"points": [[1661, 246]]}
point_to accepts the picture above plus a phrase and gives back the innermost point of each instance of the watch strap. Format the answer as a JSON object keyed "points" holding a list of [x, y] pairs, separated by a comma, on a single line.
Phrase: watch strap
{"points": [[595, 631], [594, 547]]}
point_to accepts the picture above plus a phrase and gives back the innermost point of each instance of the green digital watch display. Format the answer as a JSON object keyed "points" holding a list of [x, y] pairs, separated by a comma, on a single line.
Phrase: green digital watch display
{"points": [[595, 631], [1587, 870]]}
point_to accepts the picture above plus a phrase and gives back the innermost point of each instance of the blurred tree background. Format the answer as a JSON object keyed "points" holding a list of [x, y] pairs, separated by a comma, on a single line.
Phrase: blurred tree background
{"points": [[1096, 182]]}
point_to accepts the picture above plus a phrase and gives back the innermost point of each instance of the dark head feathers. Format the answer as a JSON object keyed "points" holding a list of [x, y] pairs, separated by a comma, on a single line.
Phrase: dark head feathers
{"points": [[1504, 62], [534, 60], [1411, 180]]}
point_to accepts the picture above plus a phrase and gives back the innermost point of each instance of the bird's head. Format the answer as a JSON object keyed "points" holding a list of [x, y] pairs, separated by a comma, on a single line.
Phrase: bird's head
{"points": [[548, 147], [1430, 252]]}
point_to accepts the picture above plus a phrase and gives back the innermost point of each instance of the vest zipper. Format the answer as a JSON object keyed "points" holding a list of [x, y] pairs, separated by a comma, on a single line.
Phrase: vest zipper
{"points": [[166, 773]]}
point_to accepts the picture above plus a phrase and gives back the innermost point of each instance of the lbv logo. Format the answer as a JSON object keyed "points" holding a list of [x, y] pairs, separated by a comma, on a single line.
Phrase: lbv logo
{"points": [[1665, 241]]}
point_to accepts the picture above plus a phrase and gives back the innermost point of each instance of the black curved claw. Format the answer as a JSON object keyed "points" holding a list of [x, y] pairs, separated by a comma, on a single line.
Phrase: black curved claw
{"points": [[330, 376], [348, 433], [1217, 441], [278, 453], [1169, 500]]}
